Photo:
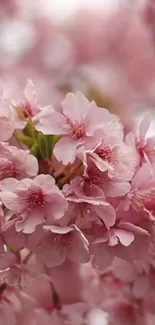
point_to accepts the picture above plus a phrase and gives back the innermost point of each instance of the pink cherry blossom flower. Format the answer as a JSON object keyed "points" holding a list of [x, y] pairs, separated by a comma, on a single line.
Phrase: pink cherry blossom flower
{"points": [[60, 243], [120, 241], [85, 209], [142, 191], [120, 160], [36, 201], [78, 124], [143, 144], [17, 163], [111, 187], [28, 108]]}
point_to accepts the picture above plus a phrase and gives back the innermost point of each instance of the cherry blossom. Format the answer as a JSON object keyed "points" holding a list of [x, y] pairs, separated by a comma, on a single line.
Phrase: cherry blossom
{"points": [[111, 186], [27, 108], [120, 241], [142, 190], [142, 143], [78, 123], [35, 201], [77, 231], [114, 158], [17, 163], [60, 243]]}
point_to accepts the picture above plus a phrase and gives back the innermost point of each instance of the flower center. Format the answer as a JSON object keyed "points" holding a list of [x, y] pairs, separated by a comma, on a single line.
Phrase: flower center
{"points": [[35, 198], [63, 243], [26, 110], [107, 154], [77, 130], [96, 176]]}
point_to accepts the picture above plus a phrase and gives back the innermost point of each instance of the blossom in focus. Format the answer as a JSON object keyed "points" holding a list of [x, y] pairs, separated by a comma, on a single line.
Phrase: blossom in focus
{"points": [[120, 160], [142, 191], [35, 201], [121, 241], [85, 210], [77, 241], [79, 124], [111, 186]]}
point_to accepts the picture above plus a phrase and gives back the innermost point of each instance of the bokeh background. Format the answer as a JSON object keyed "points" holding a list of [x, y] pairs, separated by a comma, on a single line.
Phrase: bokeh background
{"points": [[104, 48]]}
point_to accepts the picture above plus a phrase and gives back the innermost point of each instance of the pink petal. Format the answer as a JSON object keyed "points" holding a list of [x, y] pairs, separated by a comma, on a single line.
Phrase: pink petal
{"points": [[76, 106], [31, 166], [79, 247], [102, 256], [54, 123], [44, 181], [43, 113], [11, 201], [90, 191], [137, 250], [133, 228], [124, 270], [6, 128], [100, 163], [56, 208], [30, 93], [141, 287], [116, 188], [142, 176], [23, 186], [58, 229], [8, 184], [91, 143], [130, 139], [30, 221], [94, 201], [14, 239], [125, 238], [50, 253], [144, 126], [96, 119], [65, 150], [106, 213]]}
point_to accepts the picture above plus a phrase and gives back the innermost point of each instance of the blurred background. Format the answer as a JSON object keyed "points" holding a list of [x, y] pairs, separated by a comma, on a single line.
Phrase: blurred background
{"points": [[104, 48]]}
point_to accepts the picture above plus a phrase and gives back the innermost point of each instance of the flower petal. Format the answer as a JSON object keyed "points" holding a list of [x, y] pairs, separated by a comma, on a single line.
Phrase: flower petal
{"points": [[54, 123], [65, 150]]}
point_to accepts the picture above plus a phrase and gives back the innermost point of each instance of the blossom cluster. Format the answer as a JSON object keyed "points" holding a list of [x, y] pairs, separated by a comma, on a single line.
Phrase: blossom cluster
{"points": [[76, 202]]}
